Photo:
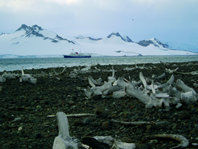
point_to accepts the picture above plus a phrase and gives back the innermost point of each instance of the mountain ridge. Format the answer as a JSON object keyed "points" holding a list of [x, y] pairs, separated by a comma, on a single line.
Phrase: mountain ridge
{"points": [[35, 40]]}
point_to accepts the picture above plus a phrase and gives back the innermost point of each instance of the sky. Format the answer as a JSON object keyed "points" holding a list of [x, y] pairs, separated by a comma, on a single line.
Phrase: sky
{"points": [[171, 21]]}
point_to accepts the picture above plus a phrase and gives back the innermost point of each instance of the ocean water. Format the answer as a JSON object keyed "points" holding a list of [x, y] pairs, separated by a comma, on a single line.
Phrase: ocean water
{"points": [[36, 63]]}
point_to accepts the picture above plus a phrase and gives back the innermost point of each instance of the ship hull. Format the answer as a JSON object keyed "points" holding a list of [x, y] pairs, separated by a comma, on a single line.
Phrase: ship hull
{"points": [[77, 56]]}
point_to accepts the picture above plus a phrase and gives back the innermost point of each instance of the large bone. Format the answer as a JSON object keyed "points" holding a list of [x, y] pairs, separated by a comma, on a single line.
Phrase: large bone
{"points": [[169, 82], [2, 79], [149, 101], [27, 78], [132, 91], [143, 80], [184, 87], [124, 145], [181, 139], [63, 140]]}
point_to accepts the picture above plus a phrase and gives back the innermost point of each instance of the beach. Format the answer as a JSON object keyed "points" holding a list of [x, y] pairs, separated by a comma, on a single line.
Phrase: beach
{"points": [[28, 121]]}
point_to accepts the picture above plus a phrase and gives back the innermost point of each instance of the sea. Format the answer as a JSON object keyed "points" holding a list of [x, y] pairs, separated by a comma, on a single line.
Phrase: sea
{"points": [[11, 64]]}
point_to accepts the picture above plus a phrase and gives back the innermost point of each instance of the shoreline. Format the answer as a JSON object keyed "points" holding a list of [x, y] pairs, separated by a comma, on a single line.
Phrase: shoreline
{"points": [[34, 63], [25, 107]]}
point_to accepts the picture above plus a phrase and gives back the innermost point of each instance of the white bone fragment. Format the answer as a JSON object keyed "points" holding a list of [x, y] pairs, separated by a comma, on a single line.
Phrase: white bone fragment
{"points": [[160, 77], [111, 89], [132, 91], [27, 78], [181, 139], [169, 82], [171, 71], [9, 75], [105, 139], [184, 87], [143, 80], [188, 97], [121, 82], [91, 81], [63, 140], [124, 145], [88, 92], [138, 122], [178, 105], [2, 79], [86, 69], [119, 94], [162, 95]]}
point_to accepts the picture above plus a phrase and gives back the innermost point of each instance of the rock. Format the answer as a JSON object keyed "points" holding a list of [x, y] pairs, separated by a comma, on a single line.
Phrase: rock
{"points": [[105, 125]]}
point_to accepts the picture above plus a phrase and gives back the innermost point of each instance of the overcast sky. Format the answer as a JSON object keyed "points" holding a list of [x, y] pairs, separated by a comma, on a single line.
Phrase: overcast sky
{"points": [[171, 21]]}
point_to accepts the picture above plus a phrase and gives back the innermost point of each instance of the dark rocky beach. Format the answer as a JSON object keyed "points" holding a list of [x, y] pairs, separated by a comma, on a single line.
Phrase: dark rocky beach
{"points": [[27, 118]]}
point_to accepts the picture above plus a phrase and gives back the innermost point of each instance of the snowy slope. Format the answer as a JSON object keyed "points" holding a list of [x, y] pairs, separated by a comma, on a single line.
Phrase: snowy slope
{"points": [[35, 40], [116, 45]]}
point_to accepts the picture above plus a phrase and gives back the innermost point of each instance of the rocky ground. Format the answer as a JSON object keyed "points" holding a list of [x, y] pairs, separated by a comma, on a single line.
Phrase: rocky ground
{"points": [[27, 121]]}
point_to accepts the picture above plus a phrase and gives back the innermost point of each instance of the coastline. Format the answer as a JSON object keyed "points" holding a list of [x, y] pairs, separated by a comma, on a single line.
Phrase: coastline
{"points": [[25, 107]]}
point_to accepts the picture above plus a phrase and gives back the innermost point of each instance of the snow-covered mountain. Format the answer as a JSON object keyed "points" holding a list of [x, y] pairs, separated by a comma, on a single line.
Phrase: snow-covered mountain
{"points": [[152, 41], [34, 40]]}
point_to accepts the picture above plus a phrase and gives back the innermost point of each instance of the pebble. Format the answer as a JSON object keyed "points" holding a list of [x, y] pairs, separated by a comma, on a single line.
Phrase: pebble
{"points": [[17, 119], [20, 128]]}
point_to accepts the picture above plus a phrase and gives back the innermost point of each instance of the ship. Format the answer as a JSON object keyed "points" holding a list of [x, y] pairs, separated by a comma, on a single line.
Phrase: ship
{"points": [[77, 55]]}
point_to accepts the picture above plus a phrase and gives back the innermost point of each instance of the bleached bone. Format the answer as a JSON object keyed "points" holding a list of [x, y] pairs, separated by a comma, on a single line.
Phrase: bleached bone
{"points": [[149, 101], [184, 87], [101, 89], [121, 82], [181, 139], [171, 71], [2, 79], [178, 106], [91, 81], [128, 69], [144, 98], [124, 145], [159, 77], [152, 87], [86, 69], [9, 75], [64, 69], [162, 95], [119, 94], [105, 139], [169, 82], [135, 83], [188, 97], [189, 73], [111, 90], [110, 142], [139, 122], [195, 84], [27, 78], [63, 140], [143, 80], [88, 92], [74, 115]]}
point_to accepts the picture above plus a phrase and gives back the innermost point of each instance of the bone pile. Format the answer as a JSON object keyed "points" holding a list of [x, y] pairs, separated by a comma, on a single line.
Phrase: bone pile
{"points": [[22, 78], [173, 93]]}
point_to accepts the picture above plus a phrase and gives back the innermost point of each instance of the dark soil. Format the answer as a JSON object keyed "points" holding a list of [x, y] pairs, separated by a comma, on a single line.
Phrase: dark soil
{"points": [[24, 121]]}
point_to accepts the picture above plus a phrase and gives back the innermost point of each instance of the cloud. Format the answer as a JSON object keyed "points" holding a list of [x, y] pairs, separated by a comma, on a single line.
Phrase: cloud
{"points": [[64, 2], [15, 4]]}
